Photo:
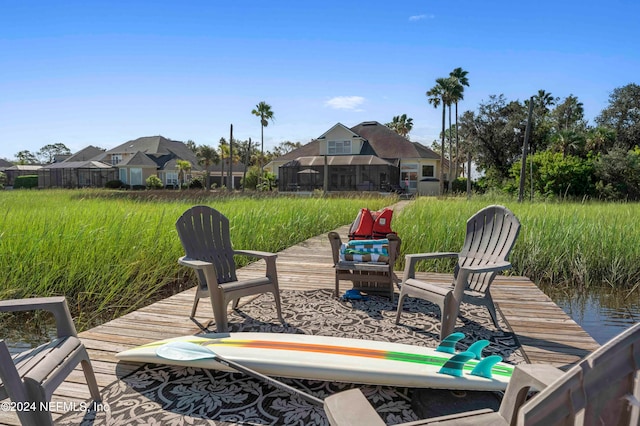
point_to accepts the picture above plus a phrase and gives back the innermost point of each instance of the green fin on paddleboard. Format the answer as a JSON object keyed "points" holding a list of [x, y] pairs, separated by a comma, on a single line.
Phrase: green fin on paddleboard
{"points": [[483, 369], [453, 367], [477, 348], [448, 345]]}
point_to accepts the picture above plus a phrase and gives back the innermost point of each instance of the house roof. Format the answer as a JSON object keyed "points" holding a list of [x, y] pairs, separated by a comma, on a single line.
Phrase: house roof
{"points": [[322, 136], [308, 150], [5, 164], [146, 144], [79, 165], [140, 159], [388, 144], [26, 167], [85, 154], [338, 160], [380, 141], [158, 149]]}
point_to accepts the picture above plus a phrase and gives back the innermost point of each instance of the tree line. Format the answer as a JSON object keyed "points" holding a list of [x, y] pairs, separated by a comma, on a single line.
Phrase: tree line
{"points": [[567, 156]]}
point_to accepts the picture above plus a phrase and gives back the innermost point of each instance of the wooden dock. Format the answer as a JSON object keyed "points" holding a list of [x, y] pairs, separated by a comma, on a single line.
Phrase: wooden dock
{"points": [[546, 333]]}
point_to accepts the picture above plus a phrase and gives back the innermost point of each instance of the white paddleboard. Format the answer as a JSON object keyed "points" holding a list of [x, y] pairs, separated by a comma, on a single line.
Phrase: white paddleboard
{"points": [[339, 359]]}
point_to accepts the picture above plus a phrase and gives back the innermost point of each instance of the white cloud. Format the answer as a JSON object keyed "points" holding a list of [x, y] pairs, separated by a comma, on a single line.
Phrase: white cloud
{"points": [[345, 102], [420, 17]]}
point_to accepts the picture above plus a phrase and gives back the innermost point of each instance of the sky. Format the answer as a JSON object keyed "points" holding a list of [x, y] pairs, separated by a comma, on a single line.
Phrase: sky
{"points": [[105, 72]]}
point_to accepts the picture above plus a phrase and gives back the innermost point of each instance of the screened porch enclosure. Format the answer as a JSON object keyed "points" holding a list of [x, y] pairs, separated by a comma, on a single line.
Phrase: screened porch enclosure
{"points": [[298, 176], [81, 177]]}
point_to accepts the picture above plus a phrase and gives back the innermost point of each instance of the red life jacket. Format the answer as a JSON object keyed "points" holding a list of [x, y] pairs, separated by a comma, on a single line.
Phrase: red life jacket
{"points": [[370, 225], [382, 223]]}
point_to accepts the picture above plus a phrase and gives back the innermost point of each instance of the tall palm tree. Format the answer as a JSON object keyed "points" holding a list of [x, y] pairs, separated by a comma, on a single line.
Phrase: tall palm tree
{"points": [[263, 110], [223, 149], [207, 156], [442, 93], [461, 76], [184, 167]]}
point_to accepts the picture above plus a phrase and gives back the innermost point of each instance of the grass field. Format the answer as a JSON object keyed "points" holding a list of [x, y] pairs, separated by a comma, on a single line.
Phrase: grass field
{"points": [[112, 252], [582, 244]]}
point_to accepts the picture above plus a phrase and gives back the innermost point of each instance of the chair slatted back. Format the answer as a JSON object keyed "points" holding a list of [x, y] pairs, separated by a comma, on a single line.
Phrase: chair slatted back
{"points": [[602, 389], [205, 235], [491, 234]]}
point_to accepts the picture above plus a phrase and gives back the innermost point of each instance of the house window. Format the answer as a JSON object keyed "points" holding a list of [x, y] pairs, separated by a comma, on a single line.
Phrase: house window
{"points": [[339, 147], [171, 178], [428, 171], [409, 176], [123, 176], [115, 159], [136, 176]]}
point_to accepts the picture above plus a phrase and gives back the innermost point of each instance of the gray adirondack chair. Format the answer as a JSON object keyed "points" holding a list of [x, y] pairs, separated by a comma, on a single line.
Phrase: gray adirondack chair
{"points": [[204, 233], [602, 389], [371, 277], [491, 233], [32, 376]]}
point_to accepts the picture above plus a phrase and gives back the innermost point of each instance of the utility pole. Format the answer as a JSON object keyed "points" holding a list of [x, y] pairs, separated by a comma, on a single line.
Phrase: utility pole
{"points": [[525, 144]]}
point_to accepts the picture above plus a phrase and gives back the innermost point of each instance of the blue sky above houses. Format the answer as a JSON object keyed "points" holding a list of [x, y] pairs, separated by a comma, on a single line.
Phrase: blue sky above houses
{"points": [[105, 72]]}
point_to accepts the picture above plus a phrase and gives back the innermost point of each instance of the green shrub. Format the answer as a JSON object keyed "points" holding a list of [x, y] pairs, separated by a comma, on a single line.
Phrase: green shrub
{"points": [[196, 183], [555, 175], [154, 182], [26, 182], [114, 184]]}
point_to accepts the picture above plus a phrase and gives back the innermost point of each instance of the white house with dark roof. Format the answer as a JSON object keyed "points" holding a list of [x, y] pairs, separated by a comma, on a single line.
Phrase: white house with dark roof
{"points": [[366, 157]]}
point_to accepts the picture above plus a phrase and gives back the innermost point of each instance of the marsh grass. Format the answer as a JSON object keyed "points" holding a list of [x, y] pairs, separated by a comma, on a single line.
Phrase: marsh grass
{"points": [[113, 252], [580, 244], [110, 254]]}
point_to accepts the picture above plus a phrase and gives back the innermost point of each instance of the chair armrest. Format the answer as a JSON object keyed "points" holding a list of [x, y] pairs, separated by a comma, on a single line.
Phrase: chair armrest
{"points": [[193, 263], [525, 377], [410, 261], [350, 408], [56, 305], [490, 267], [462, 280], [254, 253]]}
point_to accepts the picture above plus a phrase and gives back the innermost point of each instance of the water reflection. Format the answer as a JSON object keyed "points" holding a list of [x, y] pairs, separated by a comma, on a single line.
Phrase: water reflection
{"points": [[25, 330], [601, 312]]}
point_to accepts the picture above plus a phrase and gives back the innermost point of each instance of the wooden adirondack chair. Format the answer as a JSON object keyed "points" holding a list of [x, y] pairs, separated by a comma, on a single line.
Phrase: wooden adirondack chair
{"points": [[491, 233], [602, 389], [32, 376], [370, 277], [204, 233]]}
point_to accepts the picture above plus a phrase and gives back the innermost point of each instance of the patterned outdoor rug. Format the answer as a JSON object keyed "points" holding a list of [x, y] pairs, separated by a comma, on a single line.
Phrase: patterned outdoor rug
{"points": [[170, 395]]}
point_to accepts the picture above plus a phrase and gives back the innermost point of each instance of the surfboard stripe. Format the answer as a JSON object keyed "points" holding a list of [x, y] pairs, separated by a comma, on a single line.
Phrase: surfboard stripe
{"points": [[437, 361]]}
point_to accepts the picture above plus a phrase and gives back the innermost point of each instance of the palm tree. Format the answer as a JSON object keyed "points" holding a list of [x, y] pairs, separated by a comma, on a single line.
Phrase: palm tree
{"points": [[207, 156], [401, 125], [461, 76], [568, 142], [441, 93], [263, 110], [184, 167], [223, 149], [543, 100]]}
